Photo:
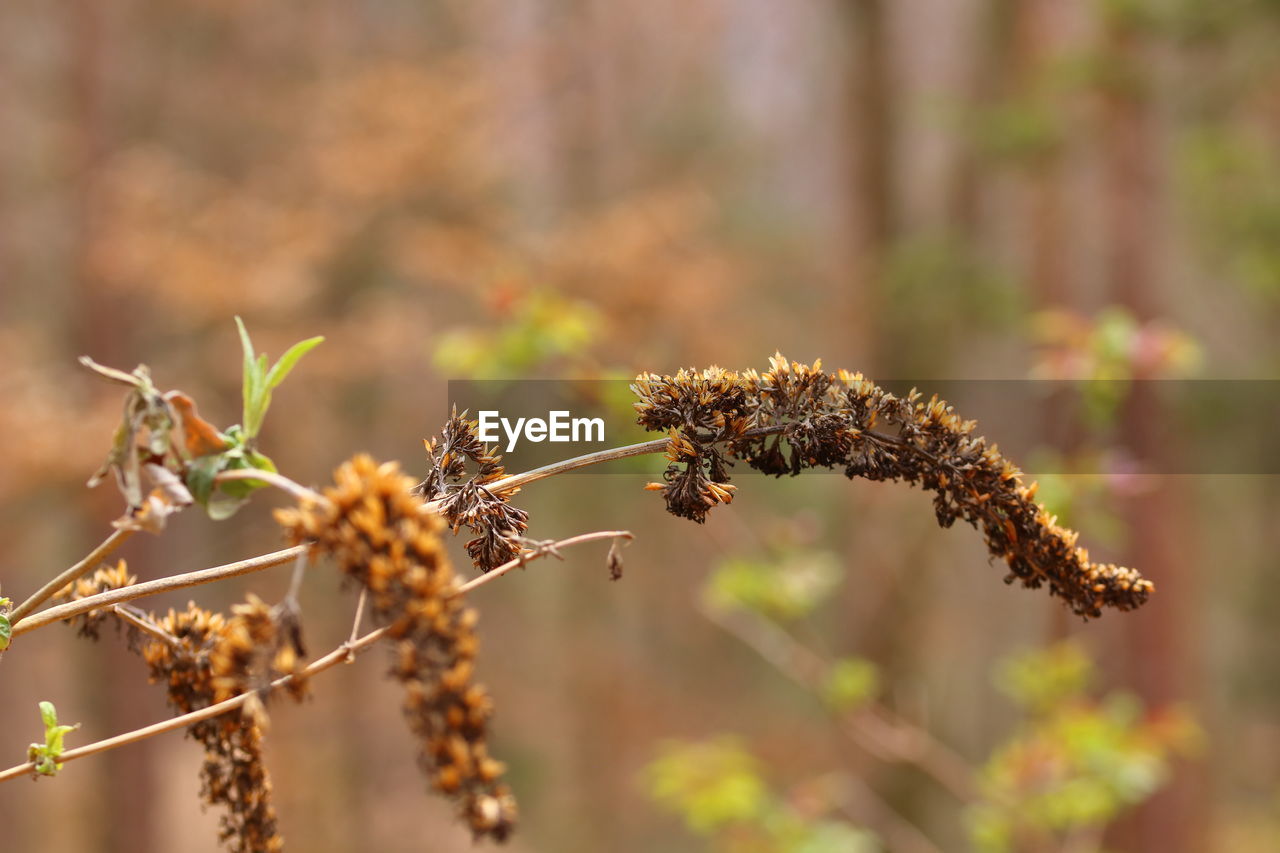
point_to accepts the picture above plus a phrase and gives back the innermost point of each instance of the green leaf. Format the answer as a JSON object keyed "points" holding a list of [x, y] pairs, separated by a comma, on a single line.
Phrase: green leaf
{"points": [[200, 474], [282, 367], [222, 500], [222, 506], [259, 381], [239, 460], [253, 377], [6, 631], [45, 756]]}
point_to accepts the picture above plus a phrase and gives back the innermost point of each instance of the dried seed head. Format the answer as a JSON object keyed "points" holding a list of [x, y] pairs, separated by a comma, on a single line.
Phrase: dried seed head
{"points": [[102, 580], [234, 774], [374, 526], [794, 417], [471, 502]]}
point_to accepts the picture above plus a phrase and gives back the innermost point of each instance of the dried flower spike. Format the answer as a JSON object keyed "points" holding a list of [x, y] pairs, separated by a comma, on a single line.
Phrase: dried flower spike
{"points": [[795, 416], [374, 526], [200, 665]]}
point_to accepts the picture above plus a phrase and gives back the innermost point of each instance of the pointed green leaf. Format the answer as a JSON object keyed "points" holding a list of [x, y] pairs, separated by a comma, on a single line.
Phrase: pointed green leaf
{"points": [[289, 359], [250, 372]]}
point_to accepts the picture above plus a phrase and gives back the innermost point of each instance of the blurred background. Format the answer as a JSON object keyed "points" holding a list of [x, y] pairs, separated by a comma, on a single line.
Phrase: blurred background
{"points": [[924, 189]]}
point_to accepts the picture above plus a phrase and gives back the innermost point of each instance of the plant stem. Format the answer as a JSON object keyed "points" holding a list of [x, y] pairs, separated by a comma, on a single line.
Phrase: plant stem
{"points": [[145, 625], [875, 729], [515, 481], [79, 570], [344, 652], [334, 657], [551, 549], [138, 590], [657, 445], [280, 481]]}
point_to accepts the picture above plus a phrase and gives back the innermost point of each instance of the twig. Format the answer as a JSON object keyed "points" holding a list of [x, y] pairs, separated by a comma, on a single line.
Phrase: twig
{"points": [[295, 583], [145, 625], [861, 803], [280, 481], [138, 590], [515, 481], [342, 653], [79, 570], [334, 657], [875, 729], [518, 562], [355, 623]]}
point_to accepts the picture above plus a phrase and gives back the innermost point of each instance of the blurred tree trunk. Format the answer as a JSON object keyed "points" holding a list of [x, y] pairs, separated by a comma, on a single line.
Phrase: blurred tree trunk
{"points": [[1162, 659], [1037, 35], [872, 208], [115, 679], [988, 82]]}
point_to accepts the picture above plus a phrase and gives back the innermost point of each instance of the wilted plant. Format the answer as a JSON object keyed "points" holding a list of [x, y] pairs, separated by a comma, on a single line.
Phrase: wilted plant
{"points": [[384, 531]]}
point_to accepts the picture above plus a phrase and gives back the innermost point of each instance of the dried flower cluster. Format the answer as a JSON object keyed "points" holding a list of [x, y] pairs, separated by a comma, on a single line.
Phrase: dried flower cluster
{"points": [[260, 644], [203, 658], [103, 580], [795, 416], [471, 502], [206, 660], [376, 529]]}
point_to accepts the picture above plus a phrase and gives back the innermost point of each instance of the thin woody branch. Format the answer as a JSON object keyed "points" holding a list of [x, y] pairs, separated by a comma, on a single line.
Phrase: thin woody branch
{"points": [[271, 478], [139, 590], [344, 652], [79, 570]]}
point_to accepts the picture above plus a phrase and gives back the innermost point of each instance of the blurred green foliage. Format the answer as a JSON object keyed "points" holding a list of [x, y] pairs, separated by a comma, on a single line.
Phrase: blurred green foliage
{"points": [[940, 291], [1076, 763], [717, 788], [784, 588], [1039, 680], [1231, 185], [850, 684], [1106, 352], [535, 329], [1073, 765]]}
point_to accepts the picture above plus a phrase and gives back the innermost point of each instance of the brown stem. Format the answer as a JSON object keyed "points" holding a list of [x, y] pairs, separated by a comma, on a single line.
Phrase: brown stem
{"points": [[514, 481], [145, 625], [272, 478], [330, 660], [79, 570], [138, 590], [550, 549], [344, 652]]}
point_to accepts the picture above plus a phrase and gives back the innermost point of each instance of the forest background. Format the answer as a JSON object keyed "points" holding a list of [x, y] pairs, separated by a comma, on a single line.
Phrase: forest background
{"points": [[921, 190]]}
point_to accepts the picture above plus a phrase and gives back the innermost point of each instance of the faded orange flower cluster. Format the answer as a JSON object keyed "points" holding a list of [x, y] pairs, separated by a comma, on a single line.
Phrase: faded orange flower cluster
{"points": [[375, 528]]}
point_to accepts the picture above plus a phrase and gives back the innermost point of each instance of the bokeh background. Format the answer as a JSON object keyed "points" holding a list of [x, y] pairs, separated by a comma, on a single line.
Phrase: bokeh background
{"points": [[922, 189]]}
